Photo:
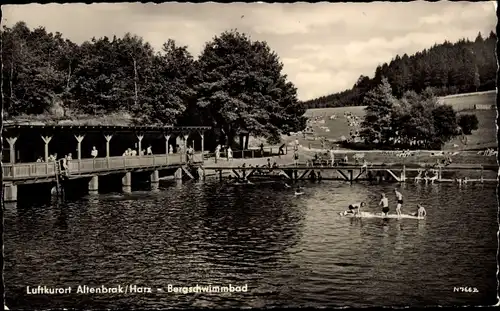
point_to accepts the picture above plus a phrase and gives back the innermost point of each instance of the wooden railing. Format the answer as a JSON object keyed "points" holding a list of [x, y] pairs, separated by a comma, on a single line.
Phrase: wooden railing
{"points": [[47, 169]]}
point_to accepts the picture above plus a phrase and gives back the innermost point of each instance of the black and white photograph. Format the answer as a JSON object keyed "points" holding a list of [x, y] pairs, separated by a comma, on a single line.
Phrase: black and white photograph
{"points": [[249, 155]]}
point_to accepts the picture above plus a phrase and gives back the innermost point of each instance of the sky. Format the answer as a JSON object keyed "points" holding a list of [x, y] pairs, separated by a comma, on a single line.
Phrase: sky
{"points": [[324, 47]]}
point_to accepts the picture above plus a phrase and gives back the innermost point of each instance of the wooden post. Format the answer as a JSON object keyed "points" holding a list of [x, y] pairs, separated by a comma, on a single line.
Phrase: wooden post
{"points": [[46, 140], [403, 175], [202, 134], [108, 139], [253, 153], [482, 173], [440, 174], [185, 147], [94, 184], [12, 145], [178, 174], [350, 175], [79, 139], [140, 137], [167, 138]]}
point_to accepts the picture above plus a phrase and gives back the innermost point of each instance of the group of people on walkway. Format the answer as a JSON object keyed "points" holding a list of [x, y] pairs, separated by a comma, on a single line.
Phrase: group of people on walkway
{"points": [[132, 152], [355, 209], [63, 162]]}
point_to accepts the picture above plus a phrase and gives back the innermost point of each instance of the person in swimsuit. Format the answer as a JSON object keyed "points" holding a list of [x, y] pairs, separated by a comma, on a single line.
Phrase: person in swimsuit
{"points": [[420, 212], [399, 197], [355, 208], [385, 204]]}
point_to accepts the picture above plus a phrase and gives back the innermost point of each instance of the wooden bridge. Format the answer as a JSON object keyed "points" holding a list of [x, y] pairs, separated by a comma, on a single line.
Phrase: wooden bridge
{"points": [[350, 172], [43, 171]]}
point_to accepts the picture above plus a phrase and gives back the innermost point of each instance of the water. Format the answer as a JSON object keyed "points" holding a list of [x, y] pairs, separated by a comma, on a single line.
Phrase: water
{"points": [[290, 251]]}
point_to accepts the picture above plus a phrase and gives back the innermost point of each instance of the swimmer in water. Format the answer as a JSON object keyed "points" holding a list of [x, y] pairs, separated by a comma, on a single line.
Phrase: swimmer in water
{"points": [[298, 190], [385, 204], [399, 197]]}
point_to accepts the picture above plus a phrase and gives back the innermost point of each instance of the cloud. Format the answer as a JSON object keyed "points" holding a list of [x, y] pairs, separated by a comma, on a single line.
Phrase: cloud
{"points": [[324, 47]]}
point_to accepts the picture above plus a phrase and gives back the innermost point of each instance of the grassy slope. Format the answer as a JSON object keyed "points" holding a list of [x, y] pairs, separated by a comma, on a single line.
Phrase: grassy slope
{"points": [[484, 137]]}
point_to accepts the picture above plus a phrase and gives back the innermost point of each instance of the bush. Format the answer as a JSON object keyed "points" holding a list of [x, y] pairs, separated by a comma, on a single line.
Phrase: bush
{"points": [[468, 123]]}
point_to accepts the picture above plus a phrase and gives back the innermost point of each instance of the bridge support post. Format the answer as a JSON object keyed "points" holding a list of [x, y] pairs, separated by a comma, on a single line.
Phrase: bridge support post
{"points": [[12, 145], [94, 185], [351, 177], [10, 192], [79, 139], [178, 174], [155, 180], [127, 182], [403, 174], [46, 140]]}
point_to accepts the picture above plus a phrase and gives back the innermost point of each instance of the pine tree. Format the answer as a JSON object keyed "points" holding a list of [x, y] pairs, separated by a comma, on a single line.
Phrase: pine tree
{"points": [[376, 126]]}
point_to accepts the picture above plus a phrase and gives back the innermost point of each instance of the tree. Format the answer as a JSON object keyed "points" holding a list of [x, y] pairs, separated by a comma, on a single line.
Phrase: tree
{"points": [[445, 124], [171, 87], [376, 125], [242, 90], [468, 123]]}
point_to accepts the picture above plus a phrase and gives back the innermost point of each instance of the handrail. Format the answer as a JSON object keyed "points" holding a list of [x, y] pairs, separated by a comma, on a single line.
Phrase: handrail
{"points": [[47, 169]]}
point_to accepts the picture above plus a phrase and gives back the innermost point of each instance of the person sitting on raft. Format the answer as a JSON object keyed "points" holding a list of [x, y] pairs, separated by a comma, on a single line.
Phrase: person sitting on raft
{"points": [[355, 208], [420, 211]]}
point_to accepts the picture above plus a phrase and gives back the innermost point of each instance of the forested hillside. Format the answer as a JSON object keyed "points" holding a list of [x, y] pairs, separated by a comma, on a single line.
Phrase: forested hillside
{"points": [[448, 68], [236, 85]]}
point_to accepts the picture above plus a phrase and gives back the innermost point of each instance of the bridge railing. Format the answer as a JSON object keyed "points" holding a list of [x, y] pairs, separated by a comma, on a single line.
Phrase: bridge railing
{"points": [[47, 169], [35, 169]]}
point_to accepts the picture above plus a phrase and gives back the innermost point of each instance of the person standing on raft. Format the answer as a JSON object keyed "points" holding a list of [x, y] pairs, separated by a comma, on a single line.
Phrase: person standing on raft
{"points": [[385, 204], [399, 197]]}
